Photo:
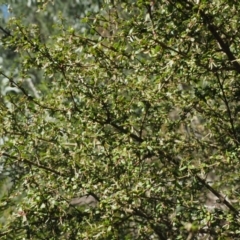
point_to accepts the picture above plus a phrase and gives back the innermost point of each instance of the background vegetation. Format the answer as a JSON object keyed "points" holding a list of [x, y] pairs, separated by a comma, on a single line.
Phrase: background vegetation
{"points": [[133, 104]]}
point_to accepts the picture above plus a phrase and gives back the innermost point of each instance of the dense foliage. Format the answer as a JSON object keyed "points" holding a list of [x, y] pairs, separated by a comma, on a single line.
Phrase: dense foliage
{"points": [[138, 109]]}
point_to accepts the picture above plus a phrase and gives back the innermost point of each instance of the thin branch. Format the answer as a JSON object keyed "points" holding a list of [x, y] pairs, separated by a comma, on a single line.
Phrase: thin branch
{"points": [[217, 194], [174, 162], [208, 22], [7, 32], [233, 131], [32, 163], [224, 46], [30, 98]]}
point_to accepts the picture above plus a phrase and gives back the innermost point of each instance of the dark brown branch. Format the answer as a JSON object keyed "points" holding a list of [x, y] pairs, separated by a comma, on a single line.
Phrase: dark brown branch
{"points": [[217, 194], [208, 22], [7, 32], [32, 163], [225, 47], [174, 162]]}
